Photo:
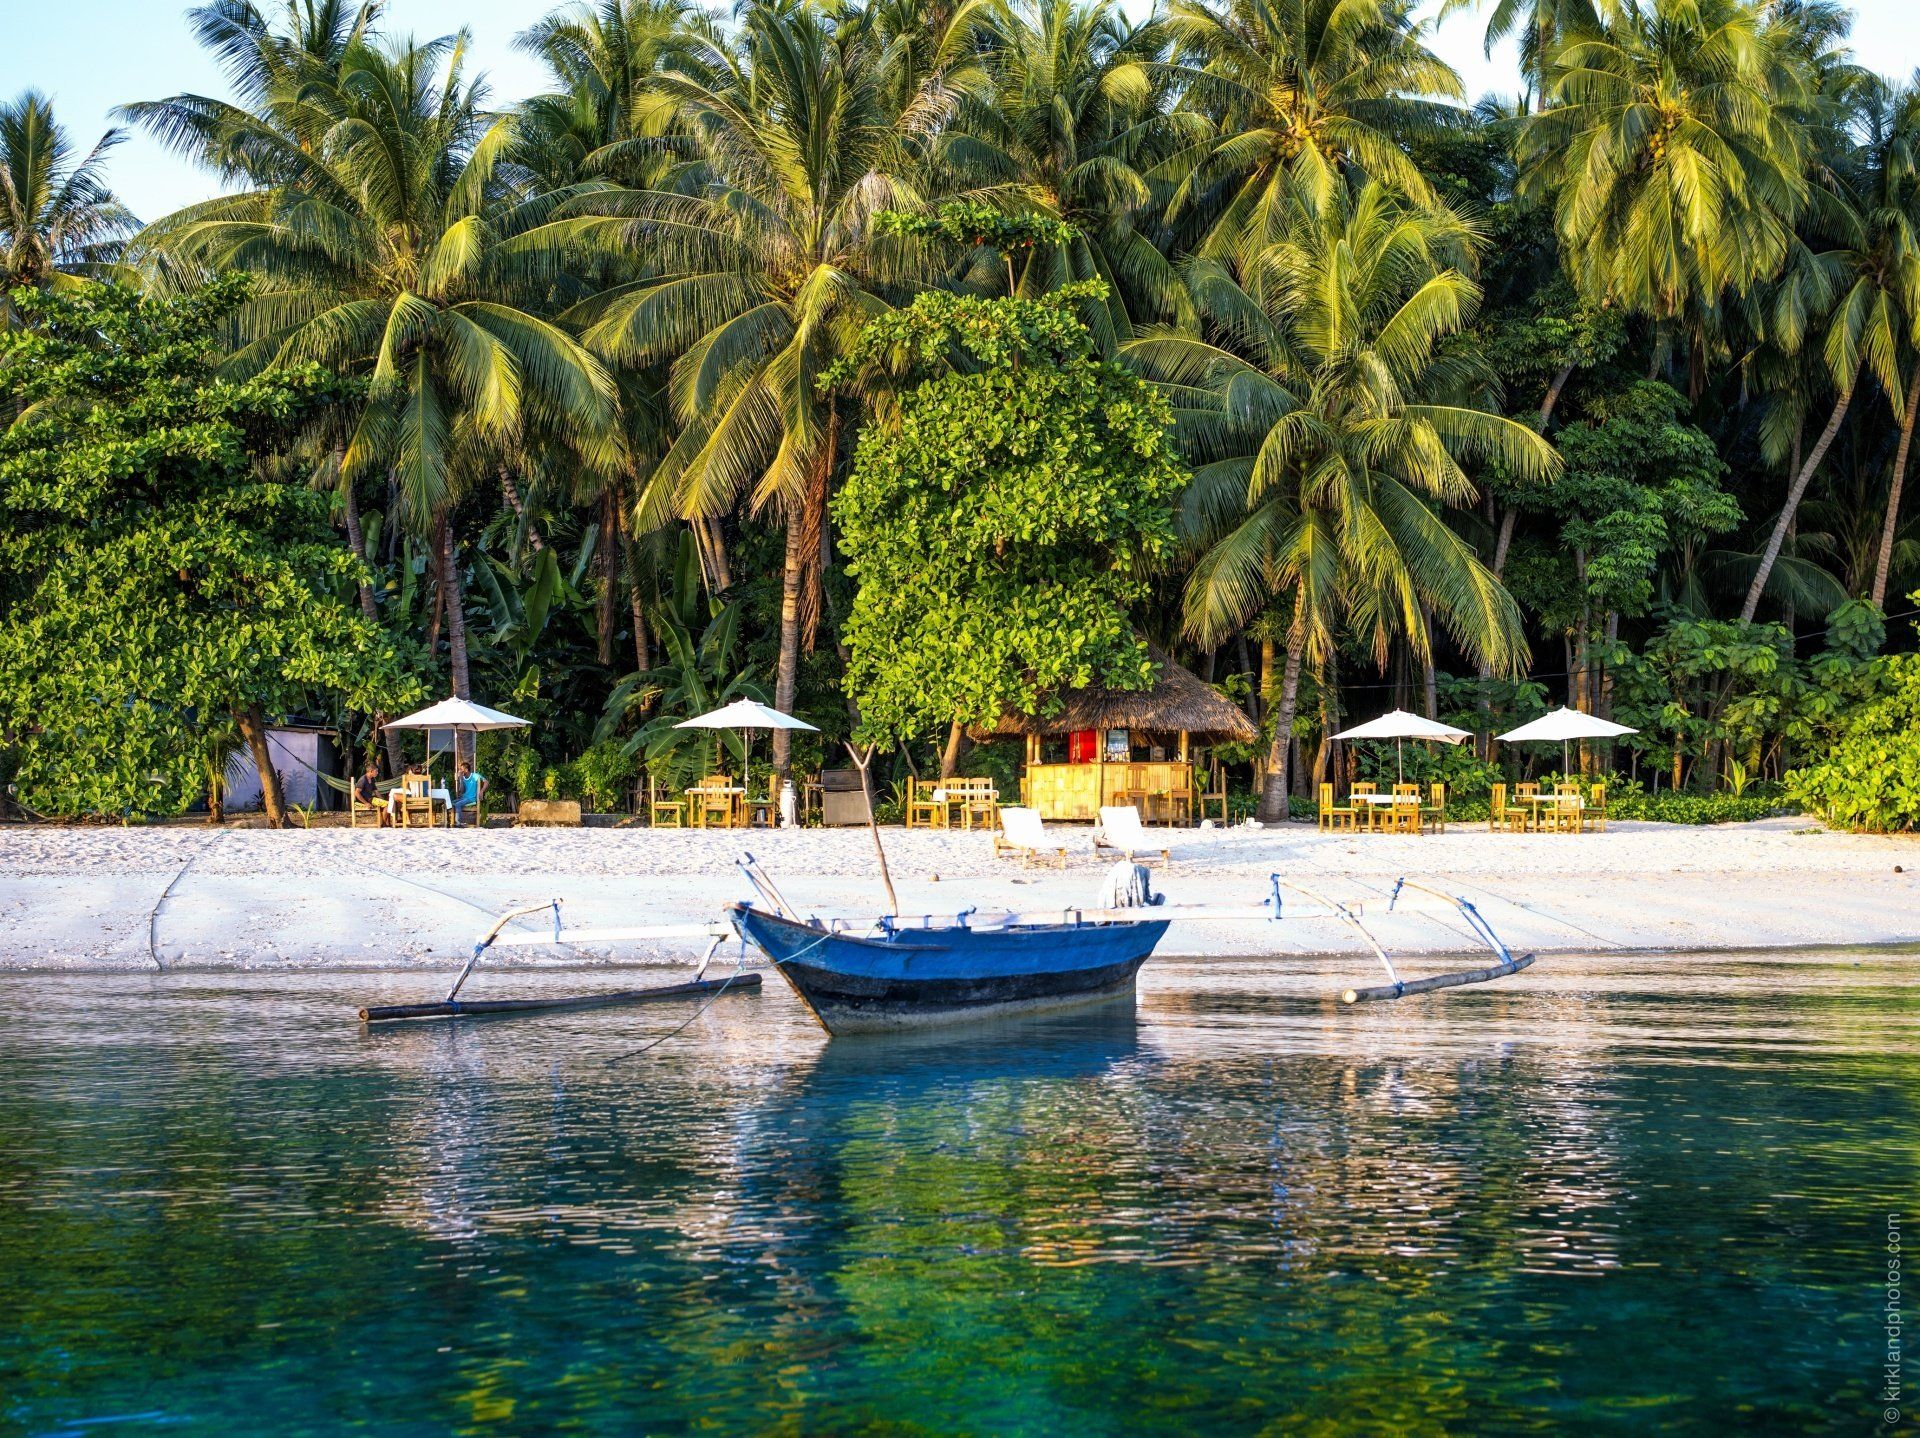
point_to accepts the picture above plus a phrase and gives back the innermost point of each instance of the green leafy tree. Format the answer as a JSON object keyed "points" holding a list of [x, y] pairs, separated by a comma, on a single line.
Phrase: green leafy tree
{"points": [[153, 586], [1002, 521]]}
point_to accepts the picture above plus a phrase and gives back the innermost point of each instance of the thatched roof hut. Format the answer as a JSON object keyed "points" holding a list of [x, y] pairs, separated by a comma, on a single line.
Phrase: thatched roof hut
{"points": [[1180, 702]]}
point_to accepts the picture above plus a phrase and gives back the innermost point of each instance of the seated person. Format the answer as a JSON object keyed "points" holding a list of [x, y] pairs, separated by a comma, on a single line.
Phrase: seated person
{"points": [[366, 793], [467, 790]]}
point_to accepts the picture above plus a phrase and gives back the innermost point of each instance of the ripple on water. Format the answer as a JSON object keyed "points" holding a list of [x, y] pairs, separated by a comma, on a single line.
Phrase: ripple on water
{"points": [[1622, 1192]]}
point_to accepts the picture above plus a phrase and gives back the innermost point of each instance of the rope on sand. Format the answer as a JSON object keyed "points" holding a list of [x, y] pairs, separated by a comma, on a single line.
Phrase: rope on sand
{"points": [[153, 917]]}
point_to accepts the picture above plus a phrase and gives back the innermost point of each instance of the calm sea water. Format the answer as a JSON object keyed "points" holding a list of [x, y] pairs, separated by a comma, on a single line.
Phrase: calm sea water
{"points": [[1622, 1195]]}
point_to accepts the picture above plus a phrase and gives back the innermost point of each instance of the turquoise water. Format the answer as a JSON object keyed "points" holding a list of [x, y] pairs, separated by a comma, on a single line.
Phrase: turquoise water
{"points": [[1611, 1197]]}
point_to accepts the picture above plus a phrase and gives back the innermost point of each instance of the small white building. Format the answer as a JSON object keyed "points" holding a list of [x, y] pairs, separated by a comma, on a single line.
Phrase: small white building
{"points": [[300, 753]]}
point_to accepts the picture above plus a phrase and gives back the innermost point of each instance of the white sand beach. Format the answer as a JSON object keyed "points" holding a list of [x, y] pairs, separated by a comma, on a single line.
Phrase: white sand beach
{"points": [[239, 898]]}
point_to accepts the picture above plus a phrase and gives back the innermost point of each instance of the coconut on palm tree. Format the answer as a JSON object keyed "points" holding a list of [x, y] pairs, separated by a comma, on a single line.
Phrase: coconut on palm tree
{"points": [[1673, 153], [1304, 94], [1318, 409]]}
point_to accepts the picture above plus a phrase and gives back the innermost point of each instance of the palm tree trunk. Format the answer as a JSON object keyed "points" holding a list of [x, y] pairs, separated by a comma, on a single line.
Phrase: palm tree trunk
{"points": [[1883, 564], [253, 728], [1274, 788], [711, 541], [456, 631], [512, 493], [642, 644], [1794, 495], [604, 550], [357, 541], [787, 675]]}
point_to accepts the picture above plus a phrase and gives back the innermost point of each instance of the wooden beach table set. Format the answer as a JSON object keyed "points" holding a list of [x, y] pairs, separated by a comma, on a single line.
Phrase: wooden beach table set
{"points": [[1568, 808]]}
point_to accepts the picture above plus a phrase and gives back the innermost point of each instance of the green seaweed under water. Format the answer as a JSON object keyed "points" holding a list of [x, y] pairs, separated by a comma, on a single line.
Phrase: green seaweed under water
{"points": [[1612, 1196]]}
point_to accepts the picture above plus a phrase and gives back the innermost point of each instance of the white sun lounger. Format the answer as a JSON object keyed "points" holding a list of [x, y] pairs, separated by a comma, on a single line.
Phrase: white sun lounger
{"points": [[1120, 830], [1022, 833]]}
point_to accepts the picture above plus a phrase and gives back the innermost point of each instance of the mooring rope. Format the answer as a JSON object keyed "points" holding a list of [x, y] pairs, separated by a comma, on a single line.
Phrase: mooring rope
{"points": [[740, 969]]}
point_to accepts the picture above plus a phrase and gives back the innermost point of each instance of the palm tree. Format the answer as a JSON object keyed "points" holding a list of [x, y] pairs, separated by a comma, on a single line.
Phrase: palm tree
{"points": [[1864, 286], [1076, 114], [393, 239], [1671, 146], [59, 219], [762, 274], [1317, 420], [1303, 93]]}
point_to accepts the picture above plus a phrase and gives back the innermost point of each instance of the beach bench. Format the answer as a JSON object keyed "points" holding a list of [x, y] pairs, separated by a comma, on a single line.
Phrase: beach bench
{"points": [[551, 813], [1022, 833], [1120, 829]]}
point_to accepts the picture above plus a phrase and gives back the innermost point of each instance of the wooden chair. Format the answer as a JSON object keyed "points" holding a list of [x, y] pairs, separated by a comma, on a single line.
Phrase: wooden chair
{"points": [[1404, 816], [1367, 816], [664, 813], [359, 812], [1332, 815], [712, 799], [979, 798], [1133, 789], [1568, 812], [415, 798], [1217, 794], [1597, 808], [1500, 817], [924, 811], [1434, 815], [1120, 830], [1022, 833]]}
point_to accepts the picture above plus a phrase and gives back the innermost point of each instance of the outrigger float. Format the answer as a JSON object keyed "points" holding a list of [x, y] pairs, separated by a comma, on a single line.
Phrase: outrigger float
{"points": [[888, 972]]}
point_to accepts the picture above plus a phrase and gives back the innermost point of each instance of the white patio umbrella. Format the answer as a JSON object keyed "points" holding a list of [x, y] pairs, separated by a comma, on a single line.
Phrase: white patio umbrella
{"points": [[746, 716], [1401, 726], [1565, 725], [462, 716]]}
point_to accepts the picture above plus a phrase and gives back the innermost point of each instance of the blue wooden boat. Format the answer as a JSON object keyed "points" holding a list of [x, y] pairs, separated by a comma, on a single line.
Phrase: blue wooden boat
{"points": [[899, 977]]}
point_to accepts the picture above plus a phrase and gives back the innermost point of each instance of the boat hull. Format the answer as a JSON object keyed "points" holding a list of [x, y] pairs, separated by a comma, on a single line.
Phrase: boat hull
{"points": [[921, 977]]}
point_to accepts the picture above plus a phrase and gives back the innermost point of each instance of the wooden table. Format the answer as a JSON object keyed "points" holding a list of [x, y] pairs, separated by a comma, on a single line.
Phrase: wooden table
{"points": [[1385, 801], [1540, 803]]}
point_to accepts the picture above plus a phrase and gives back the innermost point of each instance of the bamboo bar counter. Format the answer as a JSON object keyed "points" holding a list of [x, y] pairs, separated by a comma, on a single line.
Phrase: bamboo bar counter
{"points": [[1114, 746]]}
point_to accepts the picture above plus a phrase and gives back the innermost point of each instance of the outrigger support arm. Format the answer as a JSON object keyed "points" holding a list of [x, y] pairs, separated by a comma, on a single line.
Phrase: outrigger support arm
{"points": [[485, 941]]}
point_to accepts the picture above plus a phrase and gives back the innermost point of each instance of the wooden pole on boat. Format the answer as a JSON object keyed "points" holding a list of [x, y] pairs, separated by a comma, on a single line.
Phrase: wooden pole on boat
{"points": [[873, 827], [469, 1008], [1438, 981]]}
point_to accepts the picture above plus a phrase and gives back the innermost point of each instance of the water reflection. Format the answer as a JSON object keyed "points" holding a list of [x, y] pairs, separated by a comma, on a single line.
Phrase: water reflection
{"points": [[1522, 1208]]}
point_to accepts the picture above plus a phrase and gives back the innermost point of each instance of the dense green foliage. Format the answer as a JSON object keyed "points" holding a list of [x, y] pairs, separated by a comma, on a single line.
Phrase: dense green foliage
{"points": [[1002, 524], [1868, 775], [1603, 395], [152, 581]]}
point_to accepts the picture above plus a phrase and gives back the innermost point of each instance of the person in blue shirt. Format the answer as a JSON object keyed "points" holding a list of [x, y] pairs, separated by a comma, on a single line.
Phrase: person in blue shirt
{"points": [[467, 789]]}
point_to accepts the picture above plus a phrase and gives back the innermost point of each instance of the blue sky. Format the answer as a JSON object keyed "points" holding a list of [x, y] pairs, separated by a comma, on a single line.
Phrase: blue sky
{"points": [[91, 55]]}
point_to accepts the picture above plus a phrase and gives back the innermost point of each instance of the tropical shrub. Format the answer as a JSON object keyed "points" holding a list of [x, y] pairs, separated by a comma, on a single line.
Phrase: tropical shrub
{"points": [[1868, 777]]}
